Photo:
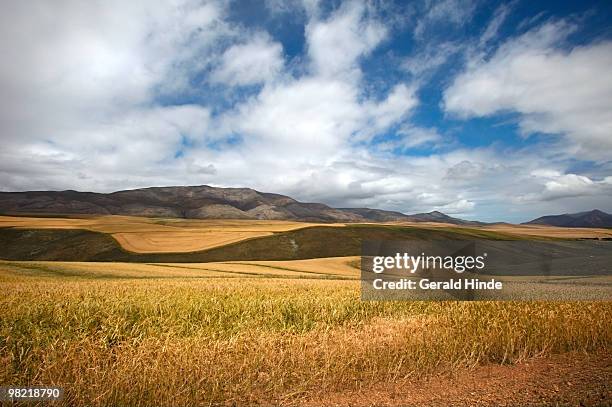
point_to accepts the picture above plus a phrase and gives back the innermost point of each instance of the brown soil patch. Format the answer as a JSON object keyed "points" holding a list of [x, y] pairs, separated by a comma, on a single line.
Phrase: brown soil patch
{"points": [[567, 380]]}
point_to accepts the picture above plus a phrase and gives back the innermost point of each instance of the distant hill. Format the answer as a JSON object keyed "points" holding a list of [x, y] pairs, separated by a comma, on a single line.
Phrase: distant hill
{"points": [[591, 219], [436, 216], [376, 215], [197, 202]]}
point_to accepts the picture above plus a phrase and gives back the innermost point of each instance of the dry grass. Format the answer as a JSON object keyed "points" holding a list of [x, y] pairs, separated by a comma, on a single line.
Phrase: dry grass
{"points": [[180, 242], [551, 231], [331, 267], [157, 235], [337, 266], [189, 340], [523, 230]]}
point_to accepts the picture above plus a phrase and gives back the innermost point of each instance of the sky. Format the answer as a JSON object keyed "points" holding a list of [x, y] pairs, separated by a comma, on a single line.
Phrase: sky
{"points": [[496, 111]]}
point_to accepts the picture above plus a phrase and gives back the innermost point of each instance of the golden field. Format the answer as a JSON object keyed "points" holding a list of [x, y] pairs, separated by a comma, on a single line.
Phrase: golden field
{"points": [[331, 267], [258, 332], [159, 235], [201, 334], [552, 231], [524, 230]]}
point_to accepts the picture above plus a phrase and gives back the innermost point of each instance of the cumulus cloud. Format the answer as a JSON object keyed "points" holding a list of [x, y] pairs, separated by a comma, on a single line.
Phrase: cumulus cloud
{"points": [[318, 116], [336, 44], [398, 104], [72, 57], [257, 61], [556, 185], [466, 171], [94, 110], [555, 91], [310, 114], [79, 94]]}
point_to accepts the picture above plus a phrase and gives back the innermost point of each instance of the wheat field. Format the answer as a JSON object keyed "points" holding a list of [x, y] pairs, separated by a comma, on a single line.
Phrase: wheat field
{"points": [[166, 235], [161, 235], [523, 230], [154, 334]]}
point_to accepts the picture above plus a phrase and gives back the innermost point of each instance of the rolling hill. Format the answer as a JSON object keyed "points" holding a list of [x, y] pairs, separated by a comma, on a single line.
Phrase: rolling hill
{"points": [[590, 219], [305, 243], [198, 202], [436, 216]]}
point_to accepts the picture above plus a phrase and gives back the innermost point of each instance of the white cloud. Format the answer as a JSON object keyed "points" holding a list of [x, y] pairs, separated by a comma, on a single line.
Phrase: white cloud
{"points": [[411, 137], [295, 135], [115, 51], [434, 52], [568, 185], [555, 91], [467, 171], [398, 104], [455, 12], [315, 117], [79, 96], [257, 61], [499, 17], [336, 44], [433, 56], [418, 136], [308, 115], [556, 185], [80, 69], [458, 207]]}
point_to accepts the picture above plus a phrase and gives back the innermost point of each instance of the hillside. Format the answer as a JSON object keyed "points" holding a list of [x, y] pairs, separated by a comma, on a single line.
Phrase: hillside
{"points": [[196, 202], [590, 219], [305, 243], [436, 216]]}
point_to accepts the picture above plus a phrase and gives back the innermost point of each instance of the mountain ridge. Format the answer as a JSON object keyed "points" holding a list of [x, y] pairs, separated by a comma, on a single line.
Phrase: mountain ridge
{"points": [[200, 202], [589, 219]]}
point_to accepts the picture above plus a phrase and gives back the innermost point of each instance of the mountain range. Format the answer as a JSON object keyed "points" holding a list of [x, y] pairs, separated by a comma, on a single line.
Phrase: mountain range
{"points": [[590, 219], [200, 202], [206, 202]]}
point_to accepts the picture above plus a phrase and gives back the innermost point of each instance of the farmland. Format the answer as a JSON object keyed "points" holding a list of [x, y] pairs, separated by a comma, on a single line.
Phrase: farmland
{"points": [[168, 235], [160, 235], [275, 318], [281, 332]]}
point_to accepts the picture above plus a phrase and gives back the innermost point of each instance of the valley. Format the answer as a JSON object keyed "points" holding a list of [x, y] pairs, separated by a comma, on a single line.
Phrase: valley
{"points": [[261, 311]]}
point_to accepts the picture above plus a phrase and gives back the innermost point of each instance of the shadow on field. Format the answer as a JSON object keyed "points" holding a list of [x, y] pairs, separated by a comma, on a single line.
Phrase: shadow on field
{"points": [[306, 243]]}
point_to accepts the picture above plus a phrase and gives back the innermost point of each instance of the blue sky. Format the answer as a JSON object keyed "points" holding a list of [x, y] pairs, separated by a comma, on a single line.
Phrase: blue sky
{"points": [[484, 110]]}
